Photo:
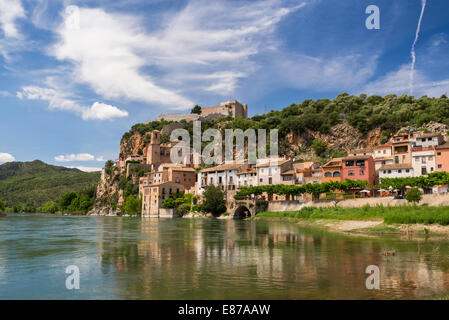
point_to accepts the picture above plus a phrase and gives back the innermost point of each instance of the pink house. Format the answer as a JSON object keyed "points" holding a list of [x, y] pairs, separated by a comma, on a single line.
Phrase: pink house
{"points": [[359, 168]]}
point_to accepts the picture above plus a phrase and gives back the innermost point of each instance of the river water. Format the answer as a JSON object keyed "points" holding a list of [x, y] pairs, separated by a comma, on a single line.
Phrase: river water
{"points": [[130, 258]]}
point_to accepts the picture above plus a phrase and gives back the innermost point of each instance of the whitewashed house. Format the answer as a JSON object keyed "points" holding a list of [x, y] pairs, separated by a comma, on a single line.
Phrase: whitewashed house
{"points": [[423, 161], [400, 170], [224, 176], [382, 155], [269, 170], [427, 140], [247, 178]]}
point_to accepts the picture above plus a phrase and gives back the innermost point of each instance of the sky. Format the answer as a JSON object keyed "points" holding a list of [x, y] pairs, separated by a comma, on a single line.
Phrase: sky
{"points": [[76, 75]]}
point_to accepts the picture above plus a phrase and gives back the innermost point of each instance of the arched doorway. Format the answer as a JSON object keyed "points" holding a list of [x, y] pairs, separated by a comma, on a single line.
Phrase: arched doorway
{"points": [[242, 212]]}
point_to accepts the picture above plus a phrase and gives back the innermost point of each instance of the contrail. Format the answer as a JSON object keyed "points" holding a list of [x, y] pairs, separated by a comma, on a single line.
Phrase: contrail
{"points": [[412, 66]]}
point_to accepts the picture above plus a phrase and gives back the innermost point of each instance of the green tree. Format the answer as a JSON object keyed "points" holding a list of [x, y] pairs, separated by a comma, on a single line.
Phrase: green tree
{"points": [[165, 138], [67, 200], [183, 209], [414, 195], [319, 147], [2, 206], [214, 200], [132, 205], [49, 207], [196, 110]]}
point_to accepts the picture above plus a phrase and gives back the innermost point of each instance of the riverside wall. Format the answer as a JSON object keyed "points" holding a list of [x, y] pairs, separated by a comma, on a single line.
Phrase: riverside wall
{"points": [[427, 200]]}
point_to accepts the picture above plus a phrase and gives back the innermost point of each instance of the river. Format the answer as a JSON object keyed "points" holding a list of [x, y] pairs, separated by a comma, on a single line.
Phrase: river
{"points": [[130, 258]]}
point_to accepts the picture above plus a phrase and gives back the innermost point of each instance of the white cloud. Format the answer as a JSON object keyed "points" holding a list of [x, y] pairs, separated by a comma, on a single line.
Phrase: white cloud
{"points": [[85, 169], [6, 157], [10, 11], [101, 111], [207, 45], [397, 82], [59, 100], [4, 94], [75, 157], [79, 157], [203, 47], [107, 51]]}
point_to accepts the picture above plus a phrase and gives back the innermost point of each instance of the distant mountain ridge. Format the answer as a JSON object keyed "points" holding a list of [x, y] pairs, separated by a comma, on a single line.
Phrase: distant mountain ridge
{"points": [[36, 182]]}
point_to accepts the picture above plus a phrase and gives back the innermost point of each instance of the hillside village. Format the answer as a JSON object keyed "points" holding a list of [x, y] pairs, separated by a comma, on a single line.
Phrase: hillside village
{"points": [[411, 154]]}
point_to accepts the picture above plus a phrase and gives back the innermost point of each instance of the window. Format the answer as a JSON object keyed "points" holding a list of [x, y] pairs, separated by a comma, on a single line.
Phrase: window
{"points": [[270, 180], [385, 171], [362, 172], [407, 170], [360, 163], [328, 174], [423, 170], [440, 166], [385, 151], [337, 174], [423, 160], [350, 172], [261, 180], [396, 159], [349, 163], [389, 171], [430, 158], [399, 171]]}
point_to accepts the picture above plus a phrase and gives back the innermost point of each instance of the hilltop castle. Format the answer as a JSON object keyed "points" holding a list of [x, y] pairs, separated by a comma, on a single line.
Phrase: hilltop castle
{"points": [[231, 108]]}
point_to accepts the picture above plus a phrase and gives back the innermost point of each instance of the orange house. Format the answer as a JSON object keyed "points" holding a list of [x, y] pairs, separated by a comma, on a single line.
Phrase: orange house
{"points": [[401, 149], [332, 171], [442, 157]]}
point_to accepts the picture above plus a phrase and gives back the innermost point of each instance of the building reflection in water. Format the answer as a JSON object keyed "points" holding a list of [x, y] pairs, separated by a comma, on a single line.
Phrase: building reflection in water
{"points": [[212, 259]]}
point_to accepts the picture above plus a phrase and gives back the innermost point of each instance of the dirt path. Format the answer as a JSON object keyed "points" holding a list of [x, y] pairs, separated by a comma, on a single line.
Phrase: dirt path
{"points": [[351, 225]]}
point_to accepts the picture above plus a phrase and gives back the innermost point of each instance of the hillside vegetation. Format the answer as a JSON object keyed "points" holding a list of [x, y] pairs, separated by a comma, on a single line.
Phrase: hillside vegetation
{"points": [[317, 119], [35, 183]]}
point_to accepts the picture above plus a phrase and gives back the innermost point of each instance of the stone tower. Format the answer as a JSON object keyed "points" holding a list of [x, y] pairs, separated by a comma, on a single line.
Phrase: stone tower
{"points": [[154, 149]]}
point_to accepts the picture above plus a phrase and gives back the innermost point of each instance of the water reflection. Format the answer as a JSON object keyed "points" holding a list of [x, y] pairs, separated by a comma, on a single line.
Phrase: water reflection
{"points": [[210, 259], [128, 258]]}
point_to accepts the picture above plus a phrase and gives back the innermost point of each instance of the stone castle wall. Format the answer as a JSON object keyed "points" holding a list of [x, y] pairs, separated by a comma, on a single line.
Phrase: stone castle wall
{"points": [[231, 108]]}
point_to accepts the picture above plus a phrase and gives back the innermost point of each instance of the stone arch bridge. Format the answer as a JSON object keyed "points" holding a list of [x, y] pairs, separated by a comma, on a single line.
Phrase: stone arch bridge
{"points": [[246, 209]]}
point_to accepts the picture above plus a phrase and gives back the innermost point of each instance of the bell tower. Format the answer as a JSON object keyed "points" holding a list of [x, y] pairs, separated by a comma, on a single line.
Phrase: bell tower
{"points": [[154, 149]]}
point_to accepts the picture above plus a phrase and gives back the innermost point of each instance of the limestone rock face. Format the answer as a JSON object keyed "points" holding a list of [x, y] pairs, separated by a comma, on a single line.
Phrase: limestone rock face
{"points": [[133, 144], [341, 137]]}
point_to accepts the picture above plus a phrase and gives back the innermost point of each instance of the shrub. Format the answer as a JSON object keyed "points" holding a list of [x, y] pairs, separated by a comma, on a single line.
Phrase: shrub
{"points": [[214, 200], [414, 195], [183, 209], [319, 147], [132, 205], [50, 207]]}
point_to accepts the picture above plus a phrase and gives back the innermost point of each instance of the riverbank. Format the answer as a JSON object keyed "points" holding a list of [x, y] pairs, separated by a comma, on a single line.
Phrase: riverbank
{"points": [[407, 219]]}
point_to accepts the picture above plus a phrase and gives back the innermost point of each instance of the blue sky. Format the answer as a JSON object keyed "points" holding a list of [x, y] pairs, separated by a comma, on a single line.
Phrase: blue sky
{"points": [[75, 75]]}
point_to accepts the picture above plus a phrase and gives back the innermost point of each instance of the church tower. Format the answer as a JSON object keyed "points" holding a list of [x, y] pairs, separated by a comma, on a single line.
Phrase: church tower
{"points": [[154, 149]]}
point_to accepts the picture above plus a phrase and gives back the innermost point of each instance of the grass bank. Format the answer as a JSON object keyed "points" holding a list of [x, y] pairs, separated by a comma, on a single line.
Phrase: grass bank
{"points": [[378, 219]]}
